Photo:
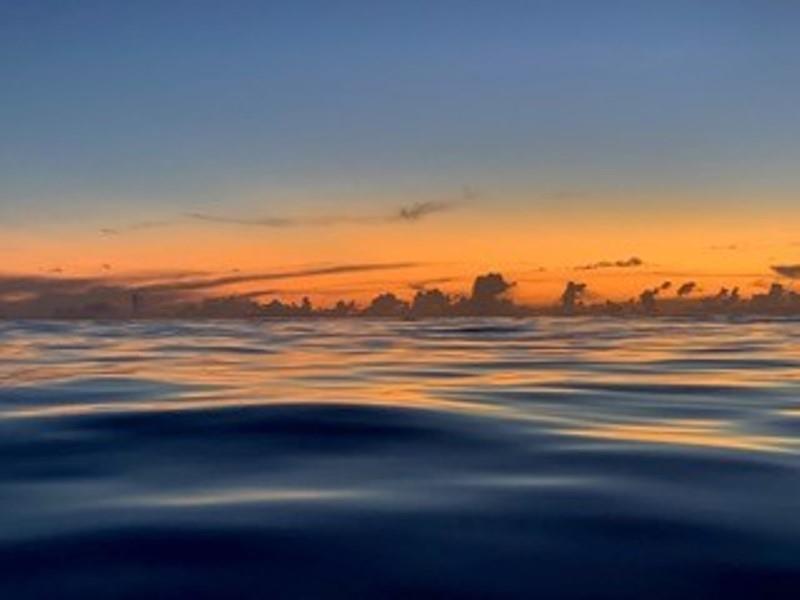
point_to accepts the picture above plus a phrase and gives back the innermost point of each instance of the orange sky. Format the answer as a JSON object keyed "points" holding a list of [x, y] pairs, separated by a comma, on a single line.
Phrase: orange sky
{"points": [[539, 251]]}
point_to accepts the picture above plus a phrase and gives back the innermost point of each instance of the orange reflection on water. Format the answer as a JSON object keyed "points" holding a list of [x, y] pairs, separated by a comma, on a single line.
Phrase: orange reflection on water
{"points": [[706, 433]]}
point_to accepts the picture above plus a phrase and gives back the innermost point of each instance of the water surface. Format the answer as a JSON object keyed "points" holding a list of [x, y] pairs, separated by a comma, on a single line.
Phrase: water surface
{"points": [[504, 458]]}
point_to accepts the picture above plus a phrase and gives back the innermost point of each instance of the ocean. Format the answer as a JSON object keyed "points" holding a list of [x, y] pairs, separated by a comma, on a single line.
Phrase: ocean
{"points": [[480, 458]]}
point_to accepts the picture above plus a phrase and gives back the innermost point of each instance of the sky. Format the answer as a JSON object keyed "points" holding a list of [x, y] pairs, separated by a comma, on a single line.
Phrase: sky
{"points": [[454, 137]]}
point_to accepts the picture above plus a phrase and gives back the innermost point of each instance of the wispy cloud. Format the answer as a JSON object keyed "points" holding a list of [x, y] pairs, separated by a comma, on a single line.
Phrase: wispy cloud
{"points": [[411, 213], [133, 227], [58, 296], [426, 283], [278, 222], [216, 282], [631, 262], [420, 210], [790, 271]]}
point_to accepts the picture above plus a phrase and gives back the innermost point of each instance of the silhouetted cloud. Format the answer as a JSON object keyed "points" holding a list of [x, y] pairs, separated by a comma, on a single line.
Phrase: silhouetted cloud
{"points": [[571, 297], [132, 227], [387, 305], [431, 303], [205, 283], [405, 214], [488, 295], [417, 211], [631, 262], [426, 283], [140, 295], [790, 271], [647, 298], [203, 295], [412, 213]]}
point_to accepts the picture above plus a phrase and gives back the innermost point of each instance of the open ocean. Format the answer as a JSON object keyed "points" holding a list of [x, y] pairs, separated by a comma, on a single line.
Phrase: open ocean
{"points": [[552, 458]]}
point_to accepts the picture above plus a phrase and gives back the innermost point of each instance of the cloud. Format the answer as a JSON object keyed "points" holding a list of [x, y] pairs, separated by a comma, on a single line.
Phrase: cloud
{"points": [[206, 283], [426, 283], [133, 227], [409, 214], [790, 271], [260, 222], [43, 296], [686, 288], [631, 262], [419, 210], [572, 296]]}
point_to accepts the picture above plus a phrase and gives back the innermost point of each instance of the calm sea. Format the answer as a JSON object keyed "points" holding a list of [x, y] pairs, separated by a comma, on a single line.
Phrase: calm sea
{"points": [[484, 458]]}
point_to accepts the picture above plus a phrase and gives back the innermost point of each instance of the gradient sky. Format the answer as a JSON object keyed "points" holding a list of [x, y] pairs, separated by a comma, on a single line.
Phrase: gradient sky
{"points": [[554, 133]]}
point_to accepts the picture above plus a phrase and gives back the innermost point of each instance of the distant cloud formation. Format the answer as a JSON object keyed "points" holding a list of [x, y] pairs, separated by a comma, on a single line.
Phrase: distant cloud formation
{"points": [[152, 295], [409, 214], [133, 227], [196, 296], [206, 283], [633, 261], [424, 284], [417, 211], [790, 271], [571, 297]]}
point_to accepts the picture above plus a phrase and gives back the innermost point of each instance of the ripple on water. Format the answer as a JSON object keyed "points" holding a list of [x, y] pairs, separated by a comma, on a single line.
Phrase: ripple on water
{"points": [[502, 458]]}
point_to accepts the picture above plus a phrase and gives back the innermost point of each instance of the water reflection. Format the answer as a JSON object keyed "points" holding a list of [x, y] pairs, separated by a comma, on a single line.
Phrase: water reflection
{"points": [[360, 458]]}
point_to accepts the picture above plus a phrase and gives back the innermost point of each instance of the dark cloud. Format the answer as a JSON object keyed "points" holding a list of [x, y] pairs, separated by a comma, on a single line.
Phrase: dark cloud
{"points": [[133, 227], [412, 213], [417, 211], [145, 294], [216, 282], [192, 295], [790, 271], [572, 296], [631, 262], [408, 214], [419, 286], [648, 300]]}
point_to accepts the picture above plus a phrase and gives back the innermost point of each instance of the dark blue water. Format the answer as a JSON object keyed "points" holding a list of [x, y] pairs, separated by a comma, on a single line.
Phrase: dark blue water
{"points": [[533, 458]]}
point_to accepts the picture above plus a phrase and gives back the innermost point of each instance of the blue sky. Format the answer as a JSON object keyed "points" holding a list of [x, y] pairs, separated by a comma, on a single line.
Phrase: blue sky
{"points": [[120, 108]]}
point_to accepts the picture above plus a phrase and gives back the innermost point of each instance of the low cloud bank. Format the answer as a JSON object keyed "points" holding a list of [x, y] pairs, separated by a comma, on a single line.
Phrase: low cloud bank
{"points": [[412, 213], [191, 295], [633, 261]]}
